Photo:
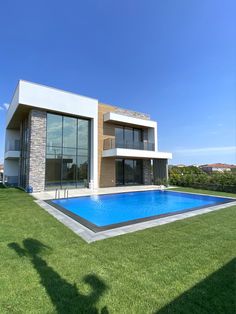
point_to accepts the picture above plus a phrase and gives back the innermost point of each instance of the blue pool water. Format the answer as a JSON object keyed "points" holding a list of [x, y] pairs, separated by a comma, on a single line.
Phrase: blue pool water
{"points": [[103, 210]]}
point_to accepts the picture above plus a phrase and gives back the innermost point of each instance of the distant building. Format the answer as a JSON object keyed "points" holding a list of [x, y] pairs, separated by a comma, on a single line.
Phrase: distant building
{"points": [[218, 167]]}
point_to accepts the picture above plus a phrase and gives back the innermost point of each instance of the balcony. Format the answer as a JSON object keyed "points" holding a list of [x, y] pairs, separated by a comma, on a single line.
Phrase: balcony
{"points": [[142, 150], [12, 149], [111, 143]]}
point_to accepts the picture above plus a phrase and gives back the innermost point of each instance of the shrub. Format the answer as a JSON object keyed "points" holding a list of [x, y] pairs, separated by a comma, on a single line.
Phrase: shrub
{"points": [[196, 178]]}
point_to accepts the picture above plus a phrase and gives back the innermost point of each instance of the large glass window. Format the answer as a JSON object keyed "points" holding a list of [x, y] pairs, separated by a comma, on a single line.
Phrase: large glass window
{"points": [[67, 159], [69, 132], [126, 137], [119, 134], [119, 172], [129, 171], [54, 131]]}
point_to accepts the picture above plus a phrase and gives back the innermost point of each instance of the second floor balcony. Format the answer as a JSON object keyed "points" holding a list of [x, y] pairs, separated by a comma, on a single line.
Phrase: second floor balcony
{"points": [[12, 149], [13, 145], [111, 143]]}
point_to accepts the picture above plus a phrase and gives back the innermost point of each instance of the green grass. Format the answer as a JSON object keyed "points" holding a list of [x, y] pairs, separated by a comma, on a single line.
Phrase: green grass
{"points": [[191, 190], [187, 266]]}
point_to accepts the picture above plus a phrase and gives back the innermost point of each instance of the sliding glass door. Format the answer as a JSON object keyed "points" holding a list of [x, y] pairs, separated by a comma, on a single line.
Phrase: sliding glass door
{"points": [[129, 171]]}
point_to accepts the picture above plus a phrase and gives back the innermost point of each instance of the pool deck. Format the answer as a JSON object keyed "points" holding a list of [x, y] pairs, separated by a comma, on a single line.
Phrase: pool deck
{"points": [[47, 195], [90, 236]]}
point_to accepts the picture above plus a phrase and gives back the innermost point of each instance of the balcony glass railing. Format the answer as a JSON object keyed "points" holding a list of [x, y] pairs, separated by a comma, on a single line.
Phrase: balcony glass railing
{"points": [[110, 143], [13, 145]]}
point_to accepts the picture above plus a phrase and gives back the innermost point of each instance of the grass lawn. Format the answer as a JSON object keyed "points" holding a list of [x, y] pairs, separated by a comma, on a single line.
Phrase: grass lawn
{"points": [[191, 190], [187, 266]]}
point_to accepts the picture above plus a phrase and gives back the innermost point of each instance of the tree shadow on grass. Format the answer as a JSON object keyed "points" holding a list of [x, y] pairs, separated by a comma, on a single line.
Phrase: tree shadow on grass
{"points": [[215, 294], [64, 295]]}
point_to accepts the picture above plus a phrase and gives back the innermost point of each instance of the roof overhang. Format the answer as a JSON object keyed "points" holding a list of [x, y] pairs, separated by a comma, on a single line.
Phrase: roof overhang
{"points": [[128, 120], [30, 95]]}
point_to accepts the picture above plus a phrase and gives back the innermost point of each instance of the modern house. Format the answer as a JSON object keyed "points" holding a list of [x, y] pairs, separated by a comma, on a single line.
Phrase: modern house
{"points": [[57, 139]]}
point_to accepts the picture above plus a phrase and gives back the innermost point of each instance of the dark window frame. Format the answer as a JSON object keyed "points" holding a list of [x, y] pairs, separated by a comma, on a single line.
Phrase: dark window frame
{"points": [[77, 155]]}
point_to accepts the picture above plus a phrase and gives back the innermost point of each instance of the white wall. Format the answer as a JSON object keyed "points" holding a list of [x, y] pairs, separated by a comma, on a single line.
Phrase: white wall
{"points": [[49, 98]]}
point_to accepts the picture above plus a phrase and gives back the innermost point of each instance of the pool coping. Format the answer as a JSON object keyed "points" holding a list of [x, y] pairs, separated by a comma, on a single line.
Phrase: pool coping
{"points": [[90, 236], [95, 228]]}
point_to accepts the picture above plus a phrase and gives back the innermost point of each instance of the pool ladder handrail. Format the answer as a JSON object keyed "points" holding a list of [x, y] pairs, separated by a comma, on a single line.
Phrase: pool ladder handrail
{"points": [[66, 193], [58, 194]]}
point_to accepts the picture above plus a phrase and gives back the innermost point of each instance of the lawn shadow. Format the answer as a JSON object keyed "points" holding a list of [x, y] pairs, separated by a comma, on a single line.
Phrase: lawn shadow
{"points": [[65, 296], [215, 294]]}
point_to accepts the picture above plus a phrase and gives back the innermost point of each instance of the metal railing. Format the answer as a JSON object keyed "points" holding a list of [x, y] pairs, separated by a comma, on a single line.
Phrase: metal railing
{"points": [[58, 193], [11, 180], [13, 145], [110, 143]]}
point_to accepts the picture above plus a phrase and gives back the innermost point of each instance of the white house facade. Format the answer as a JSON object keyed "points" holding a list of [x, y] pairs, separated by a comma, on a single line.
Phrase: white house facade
{"points": [[57, 139]]}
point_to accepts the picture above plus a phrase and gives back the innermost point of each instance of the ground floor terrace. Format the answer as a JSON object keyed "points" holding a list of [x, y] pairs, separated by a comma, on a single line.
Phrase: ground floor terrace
{"points": [[124, 171], [73, 172]]}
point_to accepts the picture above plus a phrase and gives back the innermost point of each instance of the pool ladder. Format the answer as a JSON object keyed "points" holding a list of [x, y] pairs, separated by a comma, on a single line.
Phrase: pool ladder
{"points": [[58, 193]]}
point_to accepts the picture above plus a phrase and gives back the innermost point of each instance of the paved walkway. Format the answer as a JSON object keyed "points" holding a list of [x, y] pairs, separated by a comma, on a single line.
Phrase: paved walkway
{"points": [[47, 195]]}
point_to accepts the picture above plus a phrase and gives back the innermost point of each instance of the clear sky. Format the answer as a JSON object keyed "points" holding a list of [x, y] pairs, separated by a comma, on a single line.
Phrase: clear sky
{"points": [[173, 59]]}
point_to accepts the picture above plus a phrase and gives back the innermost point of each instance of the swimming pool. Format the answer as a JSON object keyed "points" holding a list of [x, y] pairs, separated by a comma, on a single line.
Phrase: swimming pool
{"points": [[103, 212]]}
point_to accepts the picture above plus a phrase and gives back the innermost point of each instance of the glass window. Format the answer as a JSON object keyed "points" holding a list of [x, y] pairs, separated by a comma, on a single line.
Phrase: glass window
{"points": [[119, 172], [53, 170], [69, 151], [138, 171], [67, 160], [82, 170], [69, 168], [128, 136], [119, 134], [69, 132], [129, 171], [137, 135], [54, 130], [53, 150], [83, 134]]}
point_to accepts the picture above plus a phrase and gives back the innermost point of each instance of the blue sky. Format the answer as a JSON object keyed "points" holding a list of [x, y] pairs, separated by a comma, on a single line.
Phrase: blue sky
{"points": [[173, 59]]}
